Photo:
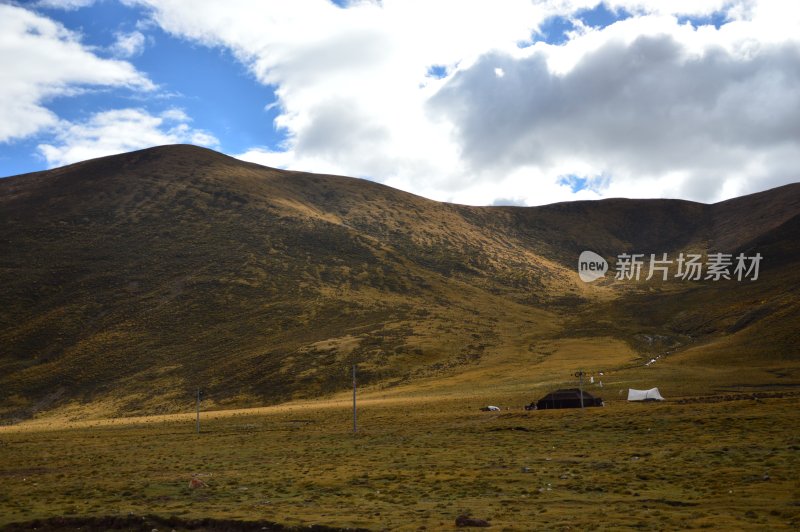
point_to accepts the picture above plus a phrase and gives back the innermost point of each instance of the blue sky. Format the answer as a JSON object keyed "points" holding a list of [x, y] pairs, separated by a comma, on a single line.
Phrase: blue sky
{"points": [[214, 89], [208, 84], [524, 102]]}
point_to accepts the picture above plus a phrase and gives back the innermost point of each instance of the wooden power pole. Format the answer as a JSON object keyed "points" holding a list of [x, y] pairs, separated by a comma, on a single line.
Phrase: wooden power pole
{"points": [[579, 374], [355, 425], [198, 411]]}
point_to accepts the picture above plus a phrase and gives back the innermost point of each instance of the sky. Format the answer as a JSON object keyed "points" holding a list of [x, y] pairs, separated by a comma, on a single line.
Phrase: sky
{"points": [[481, 102]]}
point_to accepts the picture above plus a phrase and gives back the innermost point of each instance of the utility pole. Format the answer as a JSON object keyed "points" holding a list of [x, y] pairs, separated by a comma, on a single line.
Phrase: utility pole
{"points": [[198, 411], [579, 374], [355, 426]]}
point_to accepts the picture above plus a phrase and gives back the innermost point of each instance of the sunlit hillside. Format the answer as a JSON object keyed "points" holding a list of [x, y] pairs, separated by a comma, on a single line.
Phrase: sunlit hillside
{"points": [[130, 281]]}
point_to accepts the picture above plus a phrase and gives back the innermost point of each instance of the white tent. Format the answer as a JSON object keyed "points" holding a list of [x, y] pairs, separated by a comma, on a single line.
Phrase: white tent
{"points": [[644, 395]]}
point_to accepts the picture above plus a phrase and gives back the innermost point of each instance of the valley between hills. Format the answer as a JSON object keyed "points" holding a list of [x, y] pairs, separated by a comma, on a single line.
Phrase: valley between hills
{"points": [[131, 280]]}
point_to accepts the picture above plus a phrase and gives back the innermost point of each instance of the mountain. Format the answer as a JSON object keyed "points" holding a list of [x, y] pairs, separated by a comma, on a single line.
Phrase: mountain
{"points": [[133, 279]]}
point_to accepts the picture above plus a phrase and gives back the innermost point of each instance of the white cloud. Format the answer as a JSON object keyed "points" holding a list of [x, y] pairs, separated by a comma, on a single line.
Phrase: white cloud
{"points": [[657, 107], [665, 109], [122, 130], [68, 5], [40, 59], [352, 83], [128, 44]]}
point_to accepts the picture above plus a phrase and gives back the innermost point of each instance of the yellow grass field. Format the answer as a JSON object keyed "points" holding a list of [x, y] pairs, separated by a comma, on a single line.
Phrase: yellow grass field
{"points": [[419, 462]]}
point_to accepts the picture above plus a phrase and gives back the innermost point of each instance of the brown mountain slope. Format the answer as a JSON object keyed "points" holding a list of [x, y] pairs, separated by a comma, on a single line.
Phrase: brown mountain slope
{"points": [[141, 276]]}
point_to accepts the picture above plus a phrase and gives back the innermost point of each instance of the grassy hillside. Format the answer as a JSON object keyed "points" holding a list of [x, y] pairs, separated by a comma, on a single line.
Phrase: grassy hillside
{"points": [[133, 279]]}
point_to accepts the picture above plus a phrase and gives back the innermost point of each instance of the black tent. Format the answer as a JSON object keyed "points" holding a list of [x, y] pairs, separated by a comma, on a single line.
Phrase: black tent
{"points": [[570, 398]]}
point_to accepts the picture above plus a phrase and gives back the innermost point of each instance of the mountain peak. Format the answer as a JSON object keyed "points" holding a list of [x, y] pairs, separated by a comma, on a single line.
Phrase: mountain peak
{"points": [[176, 266]]}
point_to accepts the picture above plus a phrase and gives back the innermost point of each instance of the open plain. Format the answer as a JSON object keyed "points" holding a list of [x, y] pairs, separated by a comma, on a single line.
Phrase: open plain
{"points": [[726, 462]]}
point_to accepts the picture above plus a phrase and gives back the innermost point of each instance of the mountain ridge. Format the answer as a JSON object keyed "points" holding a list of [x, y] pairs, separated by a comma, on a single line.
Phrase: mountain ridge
{"points": [[140, 276]]}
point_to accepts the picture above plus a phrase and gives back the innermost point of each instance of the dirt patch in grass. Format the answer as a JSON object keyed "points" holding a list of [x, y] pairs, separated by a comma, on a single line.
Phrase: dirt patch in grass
{"points": [[736, 397], [150, 523]]}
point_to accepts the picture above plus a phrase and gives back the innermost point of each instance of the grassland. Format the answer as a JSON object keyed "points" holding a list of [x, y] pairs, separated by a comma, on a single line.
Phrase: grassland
{"points": [[418, 463], [129, 281]]}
